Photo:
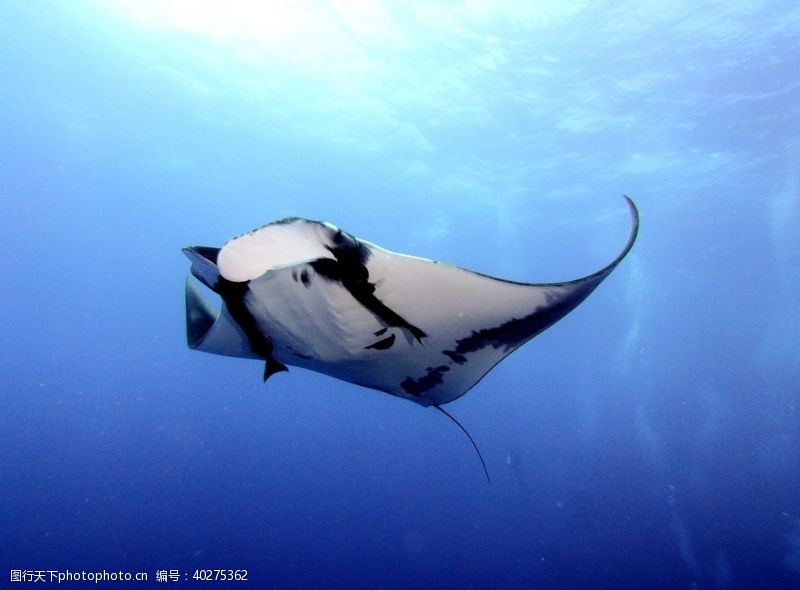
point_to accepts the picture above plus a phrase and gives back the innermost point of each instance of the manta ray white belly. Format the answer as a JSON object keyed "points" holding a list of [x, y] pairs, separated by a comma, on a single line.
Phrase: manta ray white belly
{"points": [[305, 293]]}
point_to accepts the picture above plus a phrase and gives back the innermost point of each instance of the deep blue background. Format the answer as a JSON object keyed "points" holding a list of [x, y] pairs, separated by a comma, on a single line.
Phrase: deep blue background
{"points": [[649, 440]]}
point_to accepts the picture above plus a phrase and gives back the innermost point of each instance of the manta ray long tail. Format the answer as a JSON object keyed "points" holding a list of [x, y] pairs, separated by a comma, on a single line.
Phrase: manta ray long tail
{"points": [[477, 450]]}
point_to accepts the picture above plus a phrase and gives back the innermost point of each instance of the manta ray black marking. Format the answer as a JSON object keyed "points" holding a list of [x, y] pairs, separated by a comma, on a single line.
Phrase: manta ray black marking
{"points": [[306, 293]]}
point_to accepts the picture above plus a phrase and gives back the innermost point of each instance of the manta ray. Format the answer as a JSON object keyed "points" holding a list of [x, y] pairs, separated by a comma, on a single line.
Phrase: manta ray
{"points": [[309, 294]]}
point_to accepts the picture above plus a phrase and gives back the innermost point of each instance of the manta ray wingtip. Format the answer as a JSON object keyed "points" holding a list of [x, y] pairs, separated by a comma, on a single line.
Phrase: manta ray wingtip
{"points": [[271, 366], [634, 233], [634, 215]]}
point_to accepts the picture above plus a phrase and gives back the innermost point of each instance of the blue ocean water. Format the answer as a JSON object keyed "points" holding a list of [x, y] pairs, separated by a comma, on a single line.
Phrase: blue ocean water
{"points": [[651, 439]]}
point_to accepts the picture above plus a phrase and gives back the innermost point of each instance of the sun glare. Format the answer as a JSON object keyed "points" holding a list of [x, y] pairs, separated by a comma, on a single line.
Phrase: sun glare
{"points": [[327, 27], [269, 20]]}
